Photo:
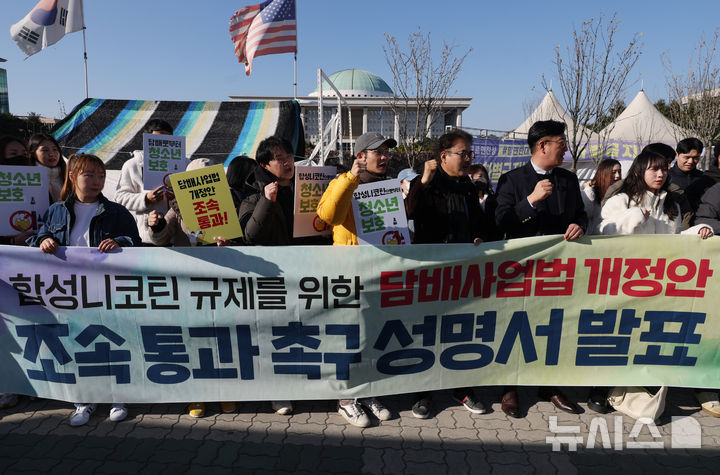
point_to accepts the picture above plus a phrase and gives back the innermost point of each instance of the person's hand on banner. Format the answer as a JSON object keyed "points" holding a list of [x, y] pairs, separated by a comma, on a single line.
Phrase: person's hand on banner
{"points": [[221, 241], [705, 233], [49, 246], [271, 190], [573, 232], [108, 245]]}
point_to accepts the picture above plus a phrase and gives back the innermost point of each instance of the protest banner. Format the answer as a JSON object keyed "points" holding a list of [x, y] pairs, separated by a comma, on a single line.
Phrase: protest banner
{"points": [[379, 212], [23, 198], [206, 204], [316, 322], [310, 184], [164, 155]]}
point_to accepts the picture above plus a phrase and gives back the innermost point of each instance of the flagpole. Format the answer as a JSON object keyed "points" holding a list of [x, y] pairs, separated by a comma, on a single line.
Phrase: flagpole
{"points": [[87, 94], [295, 76]]}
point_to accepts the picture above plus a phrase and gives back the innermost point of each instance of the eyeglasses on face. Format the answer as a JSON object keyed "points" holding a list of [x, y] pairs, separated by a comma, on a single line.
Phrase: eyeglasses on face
{"points": [[465, 154], [380, 151], [287, 158]]}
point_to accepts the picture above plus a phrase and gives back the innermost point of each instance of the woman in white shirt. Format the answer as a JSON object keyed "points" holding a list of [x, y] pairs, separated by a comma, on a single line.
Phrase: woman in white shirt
{"points": [[643, 205]]}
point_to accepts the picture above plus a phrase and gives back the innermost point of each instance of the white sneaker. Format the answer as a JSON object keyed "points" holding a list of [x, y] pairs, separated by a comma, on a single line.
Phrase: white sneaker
{"points": [[82, 414], [709, 402], [283, 408], [118, 412], [354, 414], [378, 410]]}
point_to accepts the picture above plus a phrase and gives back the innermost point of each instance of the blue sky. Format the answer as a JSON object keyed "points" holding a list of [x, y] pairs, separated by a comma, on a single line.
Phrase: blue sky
{"points": [[181, 50]]}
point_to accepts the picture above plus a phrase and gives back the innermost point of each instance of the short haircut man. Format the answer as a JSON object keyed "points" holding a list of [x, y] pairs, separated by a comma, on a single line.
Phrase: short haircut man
{"points": [[539, 199], [685, 171], [544, 128], [689, 144]]}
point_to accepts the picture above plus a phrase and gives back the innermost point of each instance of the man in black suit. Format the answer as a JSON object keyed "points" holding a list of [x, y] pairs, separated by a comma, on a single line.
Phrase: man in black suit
{"points": [[539, 199]]}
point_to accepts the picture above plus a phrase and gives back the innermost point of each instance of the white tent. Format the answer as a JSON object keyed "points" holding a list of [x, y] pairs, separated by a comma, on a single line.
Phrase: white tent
{"points": [[642, 123], [549, 109]]}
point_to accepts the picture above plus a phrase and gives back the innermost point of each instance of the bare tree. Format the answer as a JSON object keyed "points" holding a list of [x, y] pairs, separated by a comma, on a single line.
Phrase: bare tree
{"points": [[695, 93], [593, 74], [421, 85]]}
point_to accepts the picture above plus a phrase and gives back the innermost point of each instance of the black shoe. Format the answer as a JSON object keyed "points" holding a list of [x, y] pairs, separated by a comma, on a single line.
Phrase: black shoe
{"points": [[597, 400], [468, 400], [421, 409]]}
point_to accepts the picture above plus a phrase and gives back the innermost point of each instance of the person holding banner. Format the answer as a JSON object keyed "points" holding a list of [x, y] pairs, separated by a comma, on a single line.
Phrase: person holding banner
{"points": [[86, 218], [45, 151], [131, 192], [335, 208], [539, 199], [170, 230], [444, 204], [644, 205], [266, 216]]}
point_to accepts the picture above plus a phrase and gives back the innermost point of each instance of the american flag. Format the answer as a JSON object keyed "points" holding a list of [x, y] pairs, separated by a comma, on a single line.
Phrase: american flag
{"points": [[267, 28]]}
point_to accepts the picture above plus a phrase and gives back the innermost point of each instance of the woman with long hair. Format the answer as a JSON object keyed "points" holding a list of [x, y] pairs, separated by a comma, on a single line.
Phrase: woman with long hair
{"points": [[643, 204], [86, 218], [45, 151], [609, 171]]}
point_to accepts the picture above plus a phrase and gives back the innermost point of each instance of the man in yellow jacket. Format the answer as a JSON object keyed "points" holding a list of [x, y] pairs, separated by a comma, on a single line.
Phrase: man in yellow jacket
{"points": [[335, 208]]}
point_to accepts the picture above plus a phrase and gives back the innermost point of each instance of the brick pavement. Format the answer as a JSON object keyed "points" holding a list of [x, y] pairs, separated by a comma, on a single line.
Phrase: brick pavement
{"points": [[161, 438]]}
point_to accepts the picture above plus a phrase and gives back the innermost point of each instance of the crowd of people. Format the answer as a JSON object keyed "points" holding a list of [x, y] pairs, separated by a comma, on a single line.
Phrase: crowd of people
{"points": [[451, 200]]}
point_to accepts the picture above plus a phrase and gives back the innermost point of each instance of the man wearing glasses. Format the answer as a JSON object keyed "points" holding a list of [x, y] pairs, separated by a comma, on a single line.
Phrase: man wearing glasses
{"points": [[540, 199], [335, 208], [445, 206], [443, 201]]}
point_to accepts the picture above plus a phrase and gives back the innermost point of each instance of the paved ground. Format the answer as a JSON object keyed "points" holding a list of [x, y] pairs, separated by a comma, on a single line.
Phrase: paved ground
{"points": [[161, 438]]}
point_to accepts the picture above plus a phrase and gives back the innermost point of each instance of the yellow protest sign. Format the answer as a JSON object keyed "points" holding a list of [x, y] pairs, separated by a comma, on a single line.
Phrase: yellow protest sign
{"points": [[206, 204]]}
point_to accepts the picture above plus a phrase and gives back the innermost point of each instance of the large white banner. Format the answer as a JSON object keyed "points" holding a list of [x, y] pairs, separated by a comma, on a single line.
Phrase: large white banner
{"points": [[328, 322]]}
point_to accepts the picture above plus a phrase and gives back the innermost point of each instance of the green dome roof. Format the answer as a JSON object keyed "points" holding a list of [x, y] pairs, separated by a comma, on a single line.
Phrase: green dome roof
{"points": [[356, 83]]}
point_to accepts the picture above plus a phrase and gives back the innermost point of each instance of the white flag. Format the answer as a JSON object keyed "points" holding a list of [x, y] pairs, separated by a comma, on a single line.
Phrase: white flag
{"points": [[47, 23]]}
